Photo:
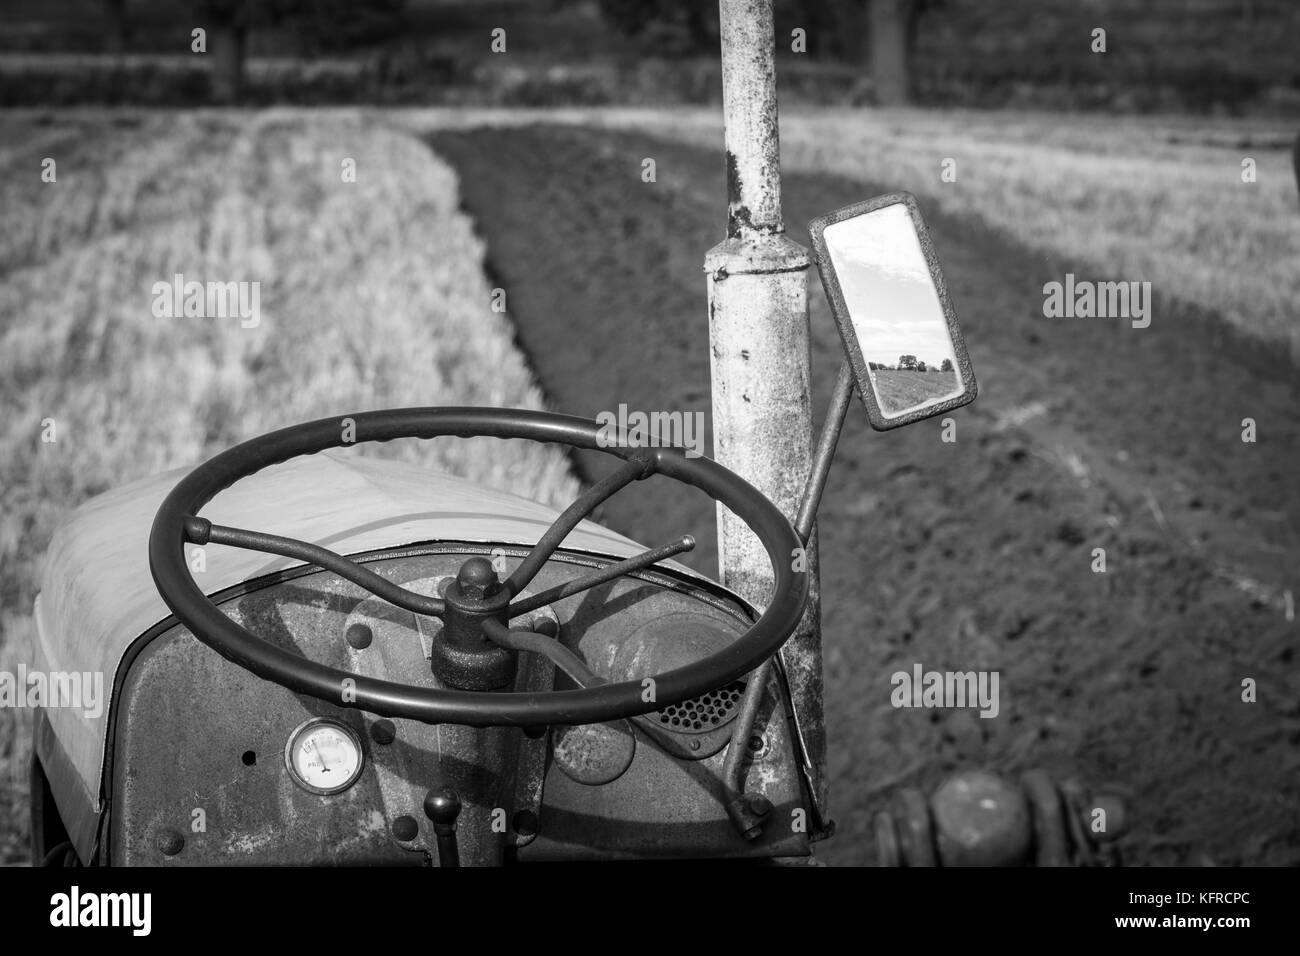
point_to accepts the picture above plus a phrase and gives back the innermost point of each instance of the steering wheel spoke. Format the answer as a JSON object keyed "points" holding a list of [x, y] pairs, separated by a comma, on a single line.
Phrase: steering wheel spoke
{"points": [[202, 531], [585, 583], [634, 469]]}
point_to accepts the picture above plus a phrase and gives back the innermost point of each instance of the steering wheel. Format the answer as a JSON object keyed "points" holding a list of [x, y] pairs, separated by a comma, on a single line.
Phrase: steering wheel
{"points": [[476, 609]]}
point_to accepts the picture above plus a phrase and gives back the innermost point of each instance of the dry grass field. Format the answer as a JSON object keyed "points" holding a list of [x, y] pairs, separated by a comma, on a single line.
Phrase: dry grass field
{"points": [[372, 295]]}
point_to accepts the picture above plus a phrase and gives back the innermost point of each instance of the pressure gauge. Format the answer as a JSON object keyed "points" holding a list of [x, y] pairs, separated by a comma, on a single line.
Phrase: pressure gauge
{"points": [[324, 756]]}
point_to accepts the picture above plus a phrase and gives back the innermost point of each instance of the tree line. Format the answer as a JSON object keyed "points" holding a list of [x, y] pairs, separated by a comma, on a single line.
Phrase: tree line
{"points": [[910, 363], [879, 33]]}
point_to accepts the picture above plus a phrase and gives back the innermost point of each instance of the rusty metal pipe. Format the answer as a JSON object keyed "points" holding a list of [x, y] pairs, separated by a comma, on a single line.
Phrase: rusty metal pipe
{"points": [[832, 425], [758, 330], [748, 34], [742, 812]]}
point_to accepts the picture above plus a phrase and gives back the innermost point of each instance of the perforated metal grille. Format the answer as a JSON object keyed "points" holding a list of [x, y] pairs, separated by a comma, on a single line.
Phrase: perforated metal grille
{"points": [[706, 712]]}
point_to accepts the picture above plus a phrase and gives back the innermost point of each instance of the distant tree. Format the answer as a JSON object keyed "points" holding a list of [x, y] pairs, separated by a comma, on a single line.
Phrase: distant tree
{"points": [[119, 27], [671, 26], [227, 23], [874, 366], [834, 27], [907, 362], [892, 26], [325, 25], [946, 366], [922, 367], [321, 24], [1295, 161]]}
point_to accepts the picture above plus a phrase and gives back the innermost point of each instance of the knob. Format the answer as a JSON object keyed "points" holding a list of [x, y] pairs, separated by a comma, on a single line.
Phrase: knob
{"points": [[442, 807], [477, 578]]}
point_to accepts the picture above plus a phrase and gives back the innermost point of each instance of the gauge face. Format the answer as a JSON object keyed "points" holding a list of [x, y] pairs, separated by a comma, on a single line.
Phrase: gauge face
{"points": [[324, 756]]}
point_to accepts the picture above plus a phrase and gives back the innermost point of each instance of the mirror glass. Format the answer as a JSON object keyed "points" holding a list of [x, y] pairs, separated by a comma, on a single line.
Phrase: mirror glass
{"points": [[887, 302]]}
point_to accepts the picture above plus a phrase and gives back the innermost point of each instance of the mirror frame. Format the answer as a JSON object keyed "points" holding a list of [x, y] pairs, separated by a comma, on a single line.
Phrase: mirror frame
{"points": [[835, 296]]}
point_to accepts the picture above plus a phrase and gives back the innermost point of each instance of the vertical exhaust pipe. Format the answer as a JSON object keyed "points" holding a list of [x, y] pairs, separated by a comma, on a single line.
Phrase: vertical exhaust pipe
{"points": [[758, 332]]}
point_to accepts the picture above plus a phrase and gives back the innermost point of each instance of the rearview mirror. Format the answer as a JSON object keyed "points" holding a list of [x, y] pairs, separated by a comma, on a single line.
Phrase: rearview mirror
{"points": [[882, 278]]}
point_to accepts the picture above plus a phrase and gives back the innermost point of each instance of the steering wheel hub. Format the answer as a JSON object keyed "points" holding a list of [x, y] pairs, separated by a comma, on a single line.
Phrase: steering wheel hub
{"points": [[462, 656]]}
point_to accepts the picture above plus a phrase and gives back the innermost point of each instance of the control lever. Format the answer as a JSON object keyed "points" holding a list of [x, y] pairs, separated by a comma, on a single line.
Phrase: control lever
{"points": [[443, 807]]}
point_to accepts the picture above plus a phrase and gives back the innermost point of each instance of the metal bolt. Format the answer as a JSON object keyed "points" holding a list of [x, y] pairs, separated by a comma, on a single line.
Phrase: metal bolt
{"points": [[758, 804], [383, 731], [405, 828], [170, 842], [477, 579], [525, 823], [359, 636], [695, 745]]}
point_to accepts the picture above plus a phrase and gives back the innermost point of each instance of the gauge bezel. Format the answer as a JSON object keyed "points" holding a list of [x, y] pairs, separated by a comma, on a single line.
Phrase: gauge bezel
{"points": [[307, 725]]}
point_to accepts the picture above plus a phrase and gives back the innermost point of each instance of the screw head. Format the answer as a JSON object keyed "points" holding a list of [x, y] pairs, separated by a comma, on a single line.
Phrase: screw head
{"points": [[524, 823], [170, 842], [476, 578], [405, 828], [383, 731], [359, 636]]}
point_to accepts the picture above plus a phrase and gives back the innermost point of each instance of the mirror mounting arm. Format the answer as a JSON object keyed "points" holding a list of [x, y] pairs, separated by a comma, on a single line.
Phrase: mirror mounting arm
{"points": [[745, 809], [832, 425]]}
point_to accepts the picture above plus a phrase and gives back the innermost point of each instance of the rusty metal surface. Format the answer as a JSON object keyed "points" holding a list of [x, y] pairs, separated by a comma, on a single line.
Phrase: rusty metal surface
{"points": [[400, 650], [196, 733], [749, 113], [758, 331], [667, 808], [594, 753]]}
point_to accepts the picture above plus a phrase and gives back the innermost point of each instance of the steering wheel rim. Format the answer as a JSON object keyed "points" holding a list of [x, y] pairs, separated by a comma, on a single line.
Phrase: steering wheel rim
{"points": [[168, 537]]}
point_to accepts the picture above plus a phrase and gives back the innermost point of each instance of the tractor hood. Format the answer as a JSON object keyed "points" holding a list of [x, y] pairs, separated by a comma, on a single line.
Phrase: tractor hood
{"points": [[97, 595]]}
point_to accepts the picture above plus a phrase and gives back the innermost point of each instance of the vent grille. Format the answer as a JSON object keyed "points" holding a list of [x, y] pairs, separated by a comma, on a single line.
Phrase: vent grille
{"points": [[704, 713]]}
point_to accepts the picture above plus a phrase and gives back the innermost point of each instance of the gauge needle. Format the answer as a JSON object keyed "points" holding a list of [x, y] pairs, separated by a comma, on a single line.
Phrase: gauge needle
{"points": [[324, 767]]}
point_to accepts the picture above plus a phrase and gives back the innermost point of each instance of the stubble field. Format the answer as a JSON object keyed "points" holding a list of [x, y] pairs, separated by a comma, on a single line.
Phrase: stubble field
{"points": [[372, 295]]}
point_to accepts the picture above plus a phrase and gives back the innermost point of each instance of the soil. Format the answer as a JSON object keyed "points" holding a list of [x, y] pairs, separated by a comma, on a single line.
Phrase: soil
{"points": [[979, 553]]}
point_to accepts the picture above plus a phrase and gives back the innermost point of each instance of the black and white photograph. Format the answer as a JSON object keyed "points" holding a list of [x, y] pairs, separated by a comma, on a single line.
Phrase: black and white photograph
{"points": [[791, 434]]}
